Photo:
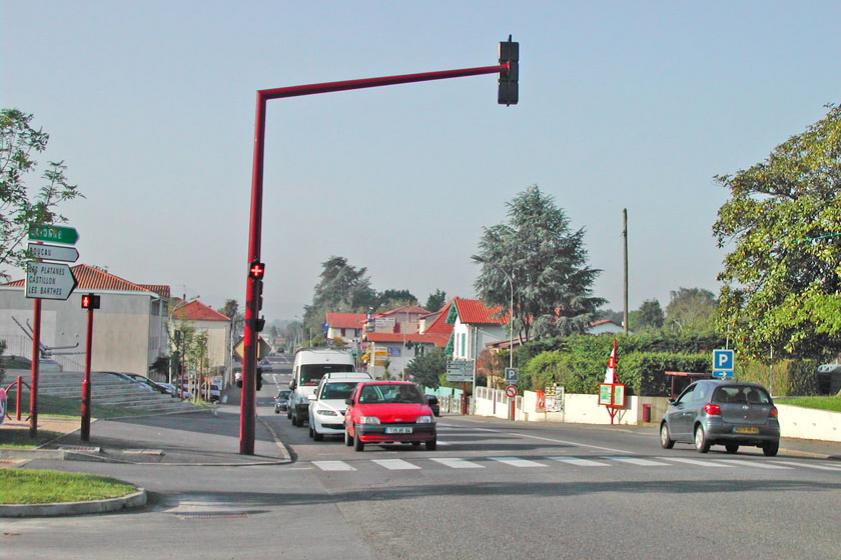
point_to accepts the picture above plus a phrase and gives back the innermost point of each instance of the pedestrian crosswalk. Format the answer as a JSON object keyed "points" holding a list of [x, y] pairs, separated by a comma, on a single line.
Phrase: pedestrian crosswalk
{"points": [[574, 462]]}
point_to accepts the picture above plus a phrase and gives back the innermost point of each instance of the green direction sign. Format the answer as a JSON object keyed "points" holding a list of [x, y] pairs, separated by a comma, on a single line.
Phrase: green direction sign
{"points": [[56, 234]]}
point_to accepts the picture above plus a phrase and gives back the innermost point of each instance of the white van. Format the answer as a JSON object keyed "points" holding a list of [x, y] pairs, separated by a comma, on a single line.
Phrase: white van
{"points": [[309, 367]]}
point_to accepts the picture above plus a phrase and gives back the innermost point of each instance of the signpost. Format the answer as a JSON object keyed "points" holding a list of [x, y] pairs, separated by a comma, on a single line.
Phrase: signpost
{"points": [[53, 252], [511, 375], [724, 363], [511, 391], [460, 371], [263, 348], [49, 281]]}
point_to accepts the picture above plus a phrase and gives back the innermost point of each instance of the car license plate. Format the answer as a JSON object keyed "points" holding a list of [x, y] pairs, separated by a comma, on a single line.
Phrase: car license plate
{"points": [[746, 430], [398, 430]]}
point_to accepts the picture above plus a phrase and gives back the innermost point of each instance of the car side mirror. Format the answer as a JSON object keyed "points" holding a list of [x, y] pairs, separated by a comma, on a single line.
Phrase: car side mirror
{"points": [[348, 402]]}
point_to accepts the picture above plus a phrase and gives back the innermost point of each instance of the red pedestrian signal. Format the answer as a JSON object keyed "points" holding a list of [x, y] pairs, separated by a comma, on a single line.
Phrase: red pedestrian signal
{"points": [[90, 301], [257, 270]]}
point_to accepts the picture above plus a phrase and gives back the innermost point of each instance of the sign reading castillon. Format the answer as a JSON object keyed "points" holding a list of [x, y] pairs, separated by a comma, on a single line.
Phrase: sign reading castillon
{"points": [[49, 281]]}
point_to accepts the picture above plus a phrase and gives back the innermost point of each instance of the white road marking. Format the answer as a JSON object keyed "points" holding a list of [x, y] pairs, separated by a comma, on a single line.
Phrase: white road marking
{"points": [[694, 462], [395, 464], [517, 462], [757, 464], [612, 450], [333, 466], [456, 463], [444, 442], [810, 466], [578, 462], [640, 462]]}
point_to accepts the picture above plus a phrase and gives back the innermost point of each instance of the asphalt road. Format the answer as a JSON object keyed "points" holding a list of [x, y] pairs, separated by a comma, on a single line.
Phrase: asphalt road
{"points": [[492, 490]]}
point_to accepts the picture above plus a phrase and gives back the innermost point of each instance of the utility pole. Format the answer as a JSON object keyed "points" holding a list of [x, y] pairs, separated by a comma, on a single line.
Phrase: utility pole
{"points": [[625, 253]]}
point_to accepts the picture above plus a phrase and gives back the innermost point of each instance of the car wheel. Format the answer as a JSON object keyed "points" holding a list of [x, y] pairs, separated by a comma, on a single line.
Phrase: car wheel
{"points": [[276, 411], [357, 443], [431, 445], [770, 449], [312, 434], [701, 443], [295, 421], [348, 439], [289, 415], [732, 448], [666, 442], [316, 436]]}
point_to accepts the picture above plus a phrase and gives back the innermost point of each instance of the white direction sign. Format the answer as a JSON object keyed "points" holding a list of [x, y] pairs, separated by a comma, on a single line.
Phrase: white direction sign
{"points": [[49, 281], [53, 252]]}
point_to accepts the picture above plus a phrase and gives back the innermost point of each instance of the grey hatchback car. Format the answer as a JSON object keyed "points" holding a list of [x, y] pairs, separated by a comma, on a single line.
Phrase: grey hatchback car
{"points": [[725, 413]]}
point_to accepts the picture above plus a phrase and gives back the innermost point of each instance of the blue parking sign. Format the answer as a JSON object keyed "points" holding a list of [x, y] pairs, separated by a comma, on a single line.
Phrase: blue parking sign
{"points": [[723, 363]]}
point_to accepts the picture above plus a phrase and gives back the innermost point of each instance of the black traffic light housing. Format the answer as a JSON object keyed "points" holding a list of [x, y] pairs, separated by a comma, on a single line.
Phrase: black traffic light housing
{"points": [[257, 270], [90, 301], [259, 378], [509, 53]]}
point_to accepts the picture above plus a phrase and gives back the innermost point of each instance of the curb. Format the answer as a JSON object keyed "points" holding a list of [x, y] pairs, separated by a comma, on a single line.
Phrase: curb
{"points": [[133, 500]]}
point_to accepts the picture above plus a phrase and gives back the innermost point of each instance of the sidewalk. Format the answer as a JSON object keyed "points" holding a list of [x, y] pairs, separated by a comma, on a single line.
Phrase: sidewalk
{"points": [[209, 438]]}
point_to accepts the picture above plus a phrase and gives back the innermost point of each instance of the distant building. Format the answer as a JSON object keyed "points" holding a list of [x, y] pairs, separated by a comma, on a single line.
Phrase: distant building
{"points": [[344, 325], [604, 326], [130, 331], [474, 326], [204, 319]]}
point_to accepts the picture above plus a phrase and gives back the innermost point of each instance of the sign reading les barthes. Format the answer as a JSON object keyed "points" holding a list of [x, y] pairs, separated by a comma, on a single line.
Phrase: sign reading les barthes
{"points": [[49, 281]]}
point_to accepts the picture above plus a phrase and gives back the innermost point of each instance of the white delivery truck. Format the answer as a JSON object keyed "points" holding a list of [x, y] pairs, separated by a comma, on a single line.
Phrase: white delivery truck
{"points": [[309, 367]]}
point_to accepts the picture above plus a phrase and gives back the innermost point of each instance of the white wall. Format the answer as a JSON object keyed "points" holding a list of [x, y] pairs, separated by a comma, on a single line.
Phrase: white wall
{"points": [[808, 423]]}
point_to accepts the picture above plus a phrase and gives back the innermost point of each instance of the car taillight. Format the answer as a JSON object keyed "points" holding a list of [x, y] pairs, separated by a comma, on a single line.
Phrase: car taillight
{"points": [[712, 409], [773, 412]]}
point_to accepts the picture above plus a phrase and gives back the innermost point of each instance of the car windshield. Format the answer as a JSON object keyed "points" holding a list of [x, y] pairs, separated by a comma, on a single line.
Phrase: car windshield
{"points": [[337, 391], [741, 394], [283, 394], [390, 394], [311, 374]]}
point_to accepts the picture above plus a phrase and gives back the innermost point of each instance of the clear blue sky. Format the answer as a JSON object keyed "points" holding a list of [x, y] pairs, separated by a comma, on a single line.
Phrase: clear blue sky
{"points": [[622, 105]]}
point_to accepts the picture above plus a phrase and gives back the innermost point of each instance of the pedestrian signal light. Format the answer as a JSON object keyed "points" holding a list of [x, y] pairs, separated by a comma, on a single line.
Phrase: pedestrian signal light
{"points": [[90, 301], [256, 270]]}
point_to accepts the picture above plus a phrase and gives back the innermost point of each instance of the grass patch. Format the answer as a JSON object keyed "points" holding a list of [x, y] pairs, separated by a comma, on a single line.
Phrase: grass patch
{"points": [[18, 438], [25, 486], [830, 403]]}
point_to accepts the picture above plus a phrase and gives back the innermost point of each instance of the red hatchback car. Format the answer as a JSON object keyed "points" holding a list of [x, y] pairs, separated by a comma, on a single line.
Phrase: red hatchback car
{"points": [[383, 412]]}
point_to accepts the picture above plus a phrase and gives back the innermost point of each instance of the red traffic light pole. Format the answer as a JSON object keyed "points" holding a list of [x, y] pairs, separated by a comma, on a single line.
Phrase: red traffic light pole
{"points": [[89, 302], [508, 71]]}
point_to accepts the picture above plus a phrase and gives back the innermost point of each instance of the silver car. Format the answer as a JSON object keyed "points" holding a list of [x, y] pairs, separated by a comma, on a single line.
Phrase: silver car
{"points": [[722, 413]]}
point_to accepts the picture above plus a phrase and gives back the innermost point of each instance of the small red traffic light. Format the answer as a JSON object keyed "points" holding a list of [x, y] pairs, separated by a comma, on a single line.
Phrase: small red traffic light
{"points": [[257, 270], [90, 301]]}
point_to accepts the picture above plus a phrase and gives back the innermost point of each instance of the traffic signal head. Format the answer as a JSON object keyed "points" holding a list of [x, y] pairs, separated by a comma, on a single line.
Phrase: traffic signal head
{"points": [[259, 378], [90, 301], [509, 53], [256, 270]]}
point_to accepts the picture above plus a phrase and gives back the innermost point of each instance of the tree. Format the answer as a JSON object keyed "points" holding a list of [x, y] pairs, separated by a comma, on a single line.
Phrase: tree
{"points": [[230, 309], [341, 287], [782, 280], [648, 317], [425, 368], [547, 262], [389, 299], [692, 310], [22, 206], [436, 300]]}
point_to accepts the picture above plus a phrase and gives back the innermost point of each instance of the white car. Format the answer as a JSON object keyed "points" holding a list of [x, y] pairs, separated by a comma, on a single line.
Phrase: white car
{"points": [[327, 405]]}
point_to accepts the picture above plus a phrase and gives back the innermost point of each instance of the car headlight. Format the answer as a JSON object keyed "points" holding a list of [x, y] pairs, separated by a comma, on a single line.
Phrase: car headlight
{"points": [[424, 420], [369, 420], [325, 412]]}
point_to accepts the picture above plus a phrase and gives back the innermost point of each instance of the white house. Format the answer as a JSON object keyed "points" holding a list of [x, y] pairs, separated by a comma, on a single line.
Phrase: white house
{"points": [[474, 326], [129, 328]]}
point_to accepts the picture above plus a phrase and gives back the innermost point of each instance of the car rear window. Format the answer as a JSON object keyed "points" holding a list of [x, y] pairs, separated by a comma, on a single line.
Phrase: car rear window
{"points": [[311, 374], [741, 394], [337, 391]]}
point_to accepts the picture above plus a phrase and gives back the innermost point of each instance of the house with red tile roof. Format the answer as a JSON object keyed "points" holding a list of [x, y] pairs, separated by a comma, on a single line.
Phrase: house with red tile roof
{"points": [[204, 319], [130, 327], [347, 326], [474, 325]]}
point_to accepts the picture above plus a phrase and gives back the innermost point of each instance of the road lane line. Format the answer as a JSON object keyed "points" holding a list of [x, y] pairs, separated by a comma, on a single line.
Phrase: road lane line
{"points": [[444, 442], [694, 462], [578, 462], [456, 463], [333, 466], [635, 461], [395, 464], [517, 462], [757, 464], [612, 450], [810, 466]]}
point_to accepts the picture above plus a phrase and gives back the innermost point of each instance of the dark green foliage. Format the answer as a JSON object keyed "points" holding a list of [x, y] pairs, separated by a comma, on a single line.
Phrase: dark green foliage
{"points": [[643, 372], [691, 310], [803, 378], [649, 316], [389, 299], [426, 368], [436, 300]]}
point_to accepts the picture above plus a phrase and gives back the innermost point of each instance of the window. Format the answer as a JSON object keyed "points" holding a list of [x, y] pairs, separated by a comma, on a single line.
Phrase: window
{"points": [[463, 345], [687, 394], [402, 393], [343, 333]]}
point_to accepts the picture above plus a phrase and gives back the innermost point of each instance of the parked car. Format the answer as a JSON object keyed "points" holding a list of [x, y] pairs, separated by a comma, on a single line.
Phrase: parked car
{"points": [[327, 407], [281, 401], [143, 380], [722, 413], [128, 378], [433, 403], [383, 412], [170, 389]]}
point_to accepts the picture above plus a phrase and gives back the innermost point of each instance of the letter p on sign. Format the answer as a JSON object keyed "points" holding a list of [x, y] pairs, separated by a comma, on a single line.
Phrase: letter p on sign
{"points": [[723, 359]]}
